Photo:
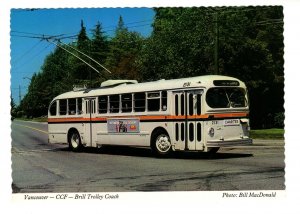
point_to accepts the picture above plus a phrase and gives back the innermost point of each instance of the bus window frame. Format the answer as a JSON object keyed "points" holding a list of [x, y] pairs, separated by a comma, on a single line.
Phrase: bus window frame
{"points": [[79, 111], [56, 108]]}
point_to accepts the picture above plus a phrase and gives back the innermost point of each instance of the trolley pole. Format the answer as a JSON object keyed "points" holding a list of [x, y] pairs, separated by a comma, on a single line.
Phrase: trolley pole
{"points": [[90, 71]]}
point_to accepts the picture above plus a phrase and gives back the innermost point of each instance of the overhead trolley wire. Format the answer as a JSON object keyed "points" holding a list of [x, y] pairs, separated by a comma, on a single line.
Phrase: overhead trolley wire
{"points": [[85, 55], [72, 35], [33, 57], [22, 32], [27, 52], [58, 39], [56, 44]]}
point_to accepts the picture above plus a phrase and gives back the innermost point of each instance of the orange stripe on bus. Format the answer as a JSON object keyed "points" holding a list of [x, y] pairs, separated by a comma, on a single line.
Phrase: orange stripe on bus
{"points": [[67, 119], [231, 115], [152, 117]]}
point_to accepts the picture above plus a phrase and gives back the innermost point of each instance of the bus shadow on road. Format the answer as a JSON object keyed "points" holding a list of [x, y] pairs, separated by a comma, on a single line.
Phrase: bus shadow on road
{"points": [[120, 150], [145, 152], [213, 156]]}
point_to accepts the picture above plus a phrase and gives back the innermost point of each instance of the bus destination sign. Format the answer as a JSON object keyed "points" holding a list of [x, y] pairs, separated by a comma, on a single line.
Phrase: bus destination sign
{"points": [[226, 83]]}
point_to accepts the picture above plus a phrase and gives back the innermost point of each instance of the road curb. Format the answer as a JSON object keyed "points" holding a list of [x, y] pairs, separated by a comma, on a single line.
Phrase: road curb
{"points": [[263, 142]]}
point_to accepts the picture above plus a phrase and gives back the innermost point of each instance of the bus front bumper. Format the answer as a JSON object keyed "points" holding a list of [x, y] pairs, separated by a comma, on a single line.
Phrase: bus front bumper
{"points": [[224, 143]]}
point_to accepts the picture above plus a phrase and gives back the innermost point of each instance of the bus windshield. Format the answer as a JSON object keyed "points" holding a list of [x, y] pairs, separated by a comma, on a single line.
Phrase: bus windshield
{"points": [[226, 98]]}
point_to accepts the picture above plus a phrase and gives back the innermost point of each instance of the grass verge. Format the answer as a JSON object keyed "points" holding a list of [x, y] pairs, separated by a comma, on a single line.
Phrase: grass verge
{"points": [[267, 134], [38, 119]]}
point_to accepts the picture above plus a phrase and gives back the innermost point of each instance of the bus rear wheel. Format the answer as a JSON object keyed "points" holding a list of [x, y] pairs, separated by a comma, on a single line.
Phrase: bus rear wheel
{"points": [[161, 143], [75, 141]]}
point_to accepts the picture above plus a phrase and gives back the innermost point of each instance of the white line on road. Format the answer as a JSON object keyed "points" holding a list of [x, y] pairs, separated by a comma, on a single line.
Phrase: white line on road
{"points": [[45, 132], [15, 150]]}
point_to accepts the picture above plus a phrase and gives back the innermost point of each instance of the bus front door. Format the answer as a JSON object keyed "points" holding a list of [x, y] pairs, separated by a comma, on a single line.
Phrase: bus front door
{"points": [[193, 124], [188, 127], [90, 110]]}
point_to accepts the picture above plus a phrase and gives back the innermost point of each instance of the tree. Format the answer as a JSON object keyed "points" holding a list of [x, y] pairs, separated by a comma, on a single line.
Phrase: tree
{"points": [[184, 41], [54, 78], [123, 51], [99, 52], [12, 103], [12, 107], [244, 42], [99, 44], [61, 70], [179, 45], [121, 29], [82, 40], [82, 72]]}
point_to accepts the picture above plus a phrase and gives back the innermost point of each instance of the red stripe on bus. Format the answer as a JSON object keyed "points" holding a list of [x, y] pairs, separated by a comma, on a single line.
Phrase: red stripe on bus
{"points": [[151, 117]]}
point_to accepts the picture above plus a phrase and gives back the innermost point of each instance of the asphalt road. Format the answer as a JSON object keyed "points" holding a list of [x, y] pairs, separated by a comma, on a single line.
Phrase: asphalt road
{"points": [[41, 167]]}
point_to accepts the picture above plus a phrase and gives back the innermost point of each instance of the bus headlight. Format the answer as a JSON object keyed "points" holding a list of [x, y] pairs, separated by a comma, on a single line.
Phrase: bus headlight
{"points": [[211, 132]]}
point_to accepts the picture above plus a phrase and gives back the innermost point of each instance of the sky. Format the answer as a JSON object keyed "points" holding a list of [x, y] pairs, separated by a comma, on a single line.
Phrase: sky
{"points": [[28, 54]]}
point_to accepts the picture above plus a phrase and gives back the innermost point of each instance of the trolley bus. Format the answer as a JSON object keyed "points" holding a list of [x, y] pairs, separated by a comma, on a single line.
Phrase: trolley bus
{"points": [[200, 113]]}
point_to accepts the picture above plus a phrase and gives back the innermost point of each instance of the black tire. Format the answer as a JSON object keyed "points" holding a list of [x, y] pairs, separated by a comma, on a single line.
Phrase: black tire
{"points": [[75, 141], [161, 143]]}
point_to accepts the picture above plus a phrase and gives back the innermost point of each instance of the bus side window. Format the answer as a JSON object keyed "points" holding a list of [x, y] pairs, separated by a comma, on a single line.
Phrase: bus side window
{"points": [[79, 105], [164, 100], [53, 108], [182, 104], [153, 101], [72, 106], [114, 103], [198, 104], [102, 103], [176, 104], [139, 102], [191, 104], [126, 102], [62, 107]]}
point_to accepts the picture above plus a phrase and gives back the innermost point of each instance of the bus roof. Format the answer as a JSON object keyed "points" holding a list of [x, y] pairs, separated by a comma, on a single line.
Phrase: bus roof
{"points": [[191, 82]]}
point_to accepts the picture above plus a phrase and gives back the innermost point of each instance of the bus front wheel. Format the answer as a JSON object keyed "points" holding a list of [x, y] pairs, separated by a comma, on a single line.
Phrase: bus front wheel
{"points": [[161, 143], [75, 141]]}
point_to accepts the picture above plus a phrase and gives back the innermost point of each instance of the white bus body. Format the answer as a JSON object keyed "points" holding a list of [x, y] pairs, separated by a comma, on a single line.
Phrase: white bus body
{"points": [[190, 114]]}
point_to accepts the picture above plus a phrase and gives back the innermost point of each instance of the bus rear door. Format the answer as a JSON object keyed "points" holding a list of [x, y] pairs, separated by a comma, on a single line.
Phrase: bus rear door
{"points": [[90, 110]]}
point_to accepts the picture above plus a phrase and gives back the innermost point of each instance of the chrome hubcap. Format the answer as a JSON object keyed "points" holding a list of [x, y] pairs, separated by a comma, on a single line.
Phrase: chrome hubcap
{"points": [[163, 143], [75, 141]]}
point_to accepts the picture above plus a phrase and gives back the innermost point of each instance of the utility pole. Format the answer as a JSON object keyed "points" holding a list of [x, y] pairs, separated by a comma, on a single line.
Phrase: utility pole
{"points": [[216, 52], [20, 94]]}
